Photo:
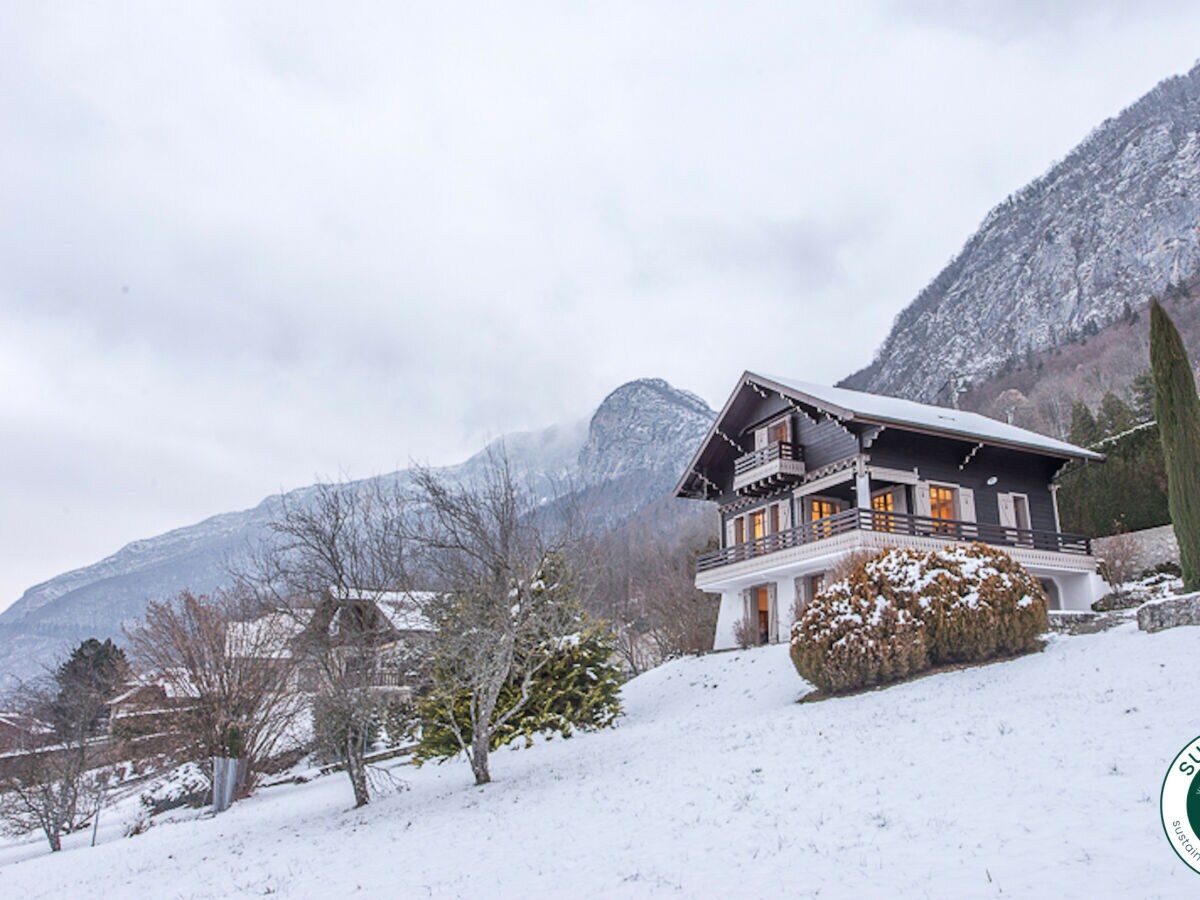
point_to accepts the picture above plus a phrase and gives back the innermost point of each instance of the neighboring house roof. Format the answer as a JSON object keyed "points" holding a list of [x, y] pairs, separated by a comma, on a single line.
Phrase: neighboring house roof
{"points": [[876, 409], [23, 722], [267, 637], [272, 636], [404, 610], [175, 684], [405, 615]]}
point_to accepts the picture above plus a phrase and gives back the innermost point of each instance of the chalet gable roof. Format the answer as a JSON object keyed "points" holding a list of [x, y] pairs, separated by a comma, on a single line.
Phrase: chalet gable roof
{"points": [[875, 409], [880, 410]]}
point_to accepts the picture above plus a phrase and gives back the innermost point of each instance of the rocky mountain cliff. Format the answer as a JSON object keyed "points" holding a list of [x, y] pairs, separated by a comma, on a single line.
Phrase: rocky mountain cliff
{"points": [[1096, 236], [625, 458]]}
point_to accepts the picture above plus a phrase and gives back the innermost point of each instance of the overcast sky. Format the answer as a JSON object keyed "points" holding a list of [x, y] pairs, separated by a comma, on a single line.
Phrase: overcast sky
{"points": [[242, 248]]}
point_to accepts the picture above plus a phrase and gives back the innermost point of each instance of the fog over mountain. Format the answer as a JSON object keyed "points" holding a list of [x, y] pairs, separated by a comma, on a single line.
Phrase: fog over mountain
{"points": [[626, 456]]}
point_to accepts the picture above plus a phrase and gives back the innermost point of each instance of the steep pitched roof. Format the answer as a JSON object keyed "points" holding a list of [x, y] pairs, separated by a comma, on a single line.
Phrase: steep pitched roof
{"points": [[876, 409], [881, 410]]}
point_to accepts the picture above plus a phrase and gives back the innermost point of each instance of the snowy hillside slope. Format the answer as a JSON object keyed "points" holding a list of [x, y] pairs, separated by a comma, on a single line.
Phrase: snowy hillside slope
{"points": [[627, 455], [1032, 778], [1103, 230]]}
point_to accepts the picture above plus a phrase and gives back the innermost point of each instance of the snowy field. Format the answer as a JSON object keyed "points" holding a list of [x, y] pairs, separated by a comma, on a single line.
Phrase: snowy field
{"points": [[1033, 778]]}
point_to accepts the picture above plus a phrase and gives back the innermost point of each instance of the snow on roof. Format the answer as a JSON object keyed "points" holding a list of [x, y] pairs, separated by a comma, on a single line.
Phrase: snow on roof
{"points": [[403, 609], [267, 637], [405, 612], [21, 721], [876, 408], [176, 683]]}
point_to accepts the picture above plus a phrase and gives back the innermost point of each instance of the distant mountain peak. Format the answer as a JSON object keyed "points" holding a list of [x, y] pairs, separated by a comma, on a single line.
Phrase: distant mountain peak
{"points": [[647, 421], [627, 455], [1104, 229], [649, 388]]}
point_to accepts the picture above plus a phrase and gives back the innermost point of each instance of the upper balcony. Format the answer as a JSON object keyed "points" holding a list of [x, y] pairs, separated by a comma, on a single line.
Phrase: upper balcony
{"points": [[889, 528], [765, 470]]}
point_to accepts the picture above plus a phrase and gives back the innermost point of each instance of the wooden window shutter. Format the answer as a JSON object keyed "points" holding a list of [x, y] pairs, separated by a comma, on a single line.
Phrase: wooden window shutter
{"points": [[773, 593], [760, 438], [785, 515], [1008, 512], [921, 498], [729, 541], [966, 504]]}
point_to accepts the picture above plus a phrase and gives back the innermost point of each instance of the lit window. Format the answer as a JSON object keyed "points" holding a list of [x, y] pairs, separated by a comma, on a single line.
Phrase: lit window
{"points": [[884, 503], [941, 504], [758, 524], [823, 509]]}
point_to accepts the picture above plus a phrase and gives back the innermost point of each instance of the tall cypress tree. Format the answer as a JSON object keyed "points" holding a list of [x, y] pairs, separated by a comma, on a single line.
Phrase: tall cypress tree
{"points": [[1177, 409]]}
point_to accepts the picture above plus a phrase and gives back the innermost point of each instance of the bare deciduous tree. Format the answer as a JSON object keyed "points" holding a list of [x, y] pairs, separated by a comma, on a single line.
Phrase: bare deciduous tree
{"points": [[644, 583], [1120, 560], [231, 661], [745, 633], [51, 779], [498, 565], [335, 556]]}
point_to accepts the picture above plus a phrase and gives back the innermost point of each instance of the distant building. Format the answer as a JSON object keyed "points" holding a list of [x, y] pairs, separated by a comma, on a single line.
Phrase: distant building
{"points": [[398, 630], [20, 731], [805, 475]]}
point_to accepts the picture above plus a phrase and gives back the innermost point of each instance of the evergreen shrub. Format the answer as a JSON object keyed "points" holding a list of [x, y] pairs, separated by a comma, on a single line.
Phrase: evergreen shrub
{"points": [[853, 635], [1177, 409], [577, 688], [905, 610]]}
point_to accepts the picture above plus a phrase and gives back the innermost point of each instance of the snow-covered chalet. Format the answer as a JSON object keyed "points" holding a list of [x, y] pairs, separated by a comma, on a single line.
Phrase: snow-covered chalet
{"points": [[805, 475]]}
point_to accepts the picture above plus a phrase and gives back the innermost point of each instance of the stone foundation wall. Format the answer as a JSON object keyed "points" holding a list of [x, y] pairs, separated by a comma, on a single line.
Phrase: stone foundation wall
{"points": [[1068, 621], [1155, 545], [1158, 615]]}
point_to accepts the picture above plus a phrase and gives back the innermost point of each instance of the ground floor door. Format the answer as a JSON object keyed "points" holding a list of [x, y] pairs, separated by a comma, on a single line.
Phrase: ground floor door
{"points": [[762, 596]]}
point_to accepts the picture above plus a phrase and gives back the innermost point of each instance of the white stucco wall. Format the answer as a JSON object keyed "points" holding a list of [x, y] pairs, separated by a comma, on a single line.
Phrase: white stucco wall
{"points": [[730, 612]]}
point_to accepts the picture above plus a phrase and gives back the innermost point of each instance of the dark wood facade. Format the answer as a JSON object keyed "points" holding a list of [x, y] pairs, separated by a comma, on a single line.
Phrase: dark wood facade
{"points": [[998, 480]]}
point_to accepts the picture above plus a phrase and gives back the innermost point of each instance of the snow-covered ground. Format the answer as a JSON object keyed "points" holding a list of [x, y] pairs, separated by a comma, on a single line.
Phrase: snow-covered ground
{"points": [[1033, 778]]}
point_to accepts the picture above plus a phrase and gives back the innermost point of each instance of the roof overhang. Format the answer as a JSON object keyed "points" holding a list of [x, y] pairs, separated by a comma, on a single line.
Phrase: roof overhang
{"points": [[1045, 447]]}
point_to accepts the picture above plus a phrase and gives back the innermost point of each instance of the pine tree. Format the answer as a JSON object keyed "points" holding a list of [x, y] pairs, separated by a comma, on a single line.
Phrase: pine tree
{"points": [[1084, 428], [88, 678], [1116, 416], [1177, 408], [1142, 393], [577, 690]]}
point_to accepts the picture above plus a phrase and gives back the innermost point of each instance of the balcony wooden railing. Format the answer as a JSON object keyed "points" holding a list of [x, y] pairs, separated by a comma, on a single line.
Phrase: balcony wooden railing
{"points": [[773, 451], [897, 524]]}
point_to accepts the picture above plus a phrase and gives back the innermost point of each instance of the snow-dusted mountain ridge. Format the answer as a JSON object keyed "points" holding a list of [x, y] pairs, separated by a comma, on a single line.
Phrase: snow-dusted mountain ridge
{"points": [[627, 454], [1097, 235], [643, 425]]}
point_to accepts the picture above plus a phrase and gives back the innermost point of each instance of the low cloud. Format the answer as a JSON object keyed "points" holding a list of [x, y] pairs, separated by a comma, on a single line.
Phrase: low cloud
{"points": [[243, 247]]}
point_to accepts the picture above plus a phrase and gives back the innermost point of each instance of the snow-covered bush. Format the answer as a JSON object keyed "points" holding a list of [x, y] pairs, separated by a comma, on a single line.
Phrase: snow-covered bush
{"points": [[976, 602], [186, 785], [1153, 584], [905, 610], [854, 634]]}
